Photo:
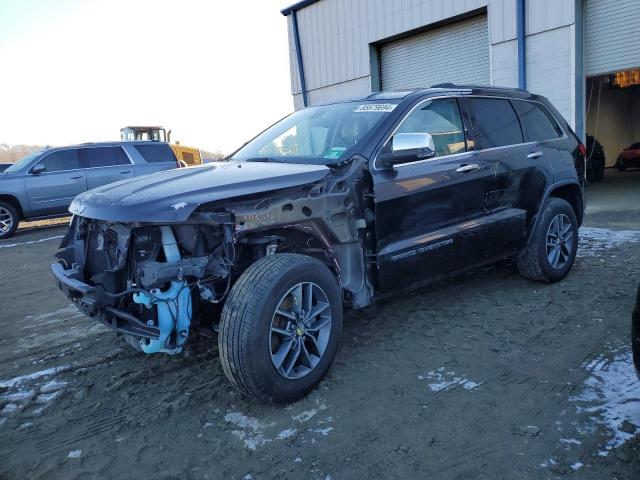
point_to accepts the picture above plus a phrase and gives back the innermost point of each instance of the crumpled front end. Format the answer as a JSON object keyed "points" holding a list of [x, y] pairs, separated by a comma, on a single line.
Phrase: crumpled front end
{"points": [[144, 281]]}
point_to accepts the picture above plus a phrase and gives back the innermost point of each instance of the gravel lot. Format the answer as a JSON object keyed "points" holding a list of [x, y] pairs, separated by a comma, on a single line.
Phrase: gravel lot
{"points": [[484, 376]]}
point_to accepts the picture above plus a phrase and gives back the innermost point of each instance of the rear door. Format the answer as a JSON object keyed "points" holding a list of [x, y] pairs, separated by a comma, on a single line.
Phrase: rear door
{"points": [[155, 157], [50, 192], [499, 140], [544, 138], [106, 165], [429, 213]]}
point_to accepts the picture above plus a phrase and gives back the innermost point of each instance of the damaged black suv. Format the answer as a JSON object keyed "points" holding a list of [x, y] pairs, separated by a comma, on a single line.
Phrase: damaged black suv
{"points": [[333, 207]]}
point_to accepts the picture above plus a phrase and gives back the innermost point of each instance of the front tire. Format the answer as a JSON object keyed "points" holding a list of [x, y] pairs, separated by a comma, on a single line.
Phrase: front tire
{"points": [[9, 220], [280, 327], [553, 244]]}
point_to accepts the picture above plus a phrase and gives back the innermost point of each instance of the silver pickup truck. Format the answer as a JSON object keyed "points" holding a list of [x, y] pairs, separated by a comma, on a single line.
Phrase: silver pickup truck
{"points": [[42, 185]]}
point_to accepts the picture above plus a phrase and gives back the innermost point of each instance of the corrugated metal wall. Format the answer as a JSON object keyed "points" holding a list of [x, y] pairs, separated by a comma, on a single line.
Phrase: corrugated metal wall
{"points": [[336, 38], [335, 34], [457, 53], [612, 35]]}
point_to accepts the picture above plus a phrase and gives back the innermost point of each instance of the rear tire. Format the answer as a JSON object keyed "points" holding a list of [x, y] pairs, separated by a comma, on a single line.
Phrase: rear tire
{"points": [[248, 343], [553, 244], [9, 220], [620, 164], [596, 173]]}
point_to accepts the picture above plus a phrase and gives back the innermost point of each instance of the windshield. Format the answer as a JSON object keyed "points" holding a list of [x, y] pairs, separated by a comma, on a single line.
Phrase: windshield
{"points": [[23, 162], [317, 135]]}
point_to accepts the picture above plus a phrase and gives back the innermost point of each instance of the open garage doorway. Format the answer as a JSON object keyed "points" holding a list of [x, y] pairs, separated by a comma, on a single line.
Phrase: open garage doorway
{"points": [[613, 117], [613, 142]]}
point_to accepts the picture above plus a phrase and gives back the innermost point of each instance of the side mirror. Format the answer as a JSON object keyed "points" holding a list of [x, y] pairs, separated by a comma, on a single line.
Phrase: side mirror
{"points": [[407, 147], [38, 168]]}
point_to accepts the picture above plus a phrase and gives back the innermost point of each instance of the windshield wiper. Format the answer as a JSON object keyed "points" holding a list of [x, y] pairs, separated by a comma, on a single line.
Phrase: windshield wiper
{"points": [[265, 160]]}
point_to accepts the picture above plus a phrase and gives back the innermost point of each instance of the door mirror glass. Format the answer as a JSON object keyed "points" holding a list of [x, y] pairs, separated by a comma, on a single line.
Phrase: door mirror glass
{"points": [[39, 168], [407, 147]]}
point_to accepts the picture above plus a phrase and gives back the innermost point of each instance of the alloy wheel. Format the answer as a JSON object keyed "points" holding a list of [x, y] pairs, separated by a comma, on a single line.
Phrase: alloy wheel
{"points": [[300, 330], [560, 238], [6, 220]]}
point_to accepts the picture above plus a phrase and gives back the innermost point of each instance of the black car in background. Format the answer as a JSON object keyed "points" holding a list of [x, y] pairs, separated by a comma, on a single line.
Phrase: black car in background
{"points": [[4, 166], [334, 207], [595, 160]]}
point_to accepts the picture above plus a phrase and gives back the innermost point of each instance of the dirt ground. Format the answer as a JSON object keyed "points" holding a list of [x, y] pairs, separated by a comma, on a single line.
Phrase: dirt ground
{"points": [[484, 376]]}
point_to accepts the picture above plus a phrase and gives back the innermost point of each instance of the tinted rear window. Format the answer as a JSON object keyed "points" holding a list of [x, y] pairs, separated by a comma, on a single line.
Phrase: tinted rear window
{"points": [[537, 122], [105, 157], [495, 123], [60, 161], [156, 153]]}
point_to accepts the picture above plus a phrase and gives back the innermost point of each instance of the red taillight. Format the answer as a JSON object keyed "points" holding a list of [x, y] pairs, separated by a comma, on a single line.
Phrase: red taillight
{"points": [[583, 150]]}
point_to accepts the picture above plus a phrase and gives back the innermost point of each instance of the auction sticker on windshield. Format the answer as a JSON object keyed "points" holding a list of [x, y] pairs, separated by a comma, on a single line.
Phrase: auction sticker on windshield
{"points": [[375, 107], [335, 152]]}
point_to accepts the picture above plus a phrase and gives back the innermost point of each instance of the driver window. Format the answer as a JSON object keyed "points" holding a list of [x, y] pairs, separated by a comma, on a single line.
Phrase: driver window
{"points": [[441, 118], [61, 161]]}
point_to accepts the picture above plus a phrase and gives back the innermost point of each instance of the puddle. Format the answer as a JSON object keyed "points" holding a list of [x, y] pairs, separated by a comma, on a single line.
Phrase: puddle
{"points": [[611, 396]]}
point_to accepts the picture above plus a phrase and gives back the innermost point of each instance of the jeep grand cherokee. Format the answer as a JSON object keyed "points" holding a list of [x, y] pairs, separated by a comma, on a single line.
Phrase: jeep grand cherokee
{"points": [[333, 207]]}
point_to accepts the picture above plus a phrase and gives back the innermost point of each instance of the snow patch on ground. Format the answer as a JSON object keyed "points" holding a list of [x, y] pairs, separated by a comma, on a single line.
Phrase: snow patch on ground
{"points": [[12, 382], [29, 390], [548, 463], [611, 396], [255, 433], [447, 380], [308, 414], [596, 241]]}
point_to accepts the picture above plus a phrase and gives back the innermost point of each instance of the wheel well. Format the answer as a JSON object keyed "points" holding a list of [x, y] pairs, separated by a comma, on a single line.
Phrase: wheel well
{"points": [[571, 194], [13, 201], [291, 240]]}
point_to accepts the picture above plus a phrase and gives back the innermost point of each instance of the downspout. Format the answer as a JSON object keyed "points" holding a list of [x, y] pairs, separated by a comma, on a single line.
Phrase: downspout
{"points": [[580, 85], [522, 35], [296, 38]]}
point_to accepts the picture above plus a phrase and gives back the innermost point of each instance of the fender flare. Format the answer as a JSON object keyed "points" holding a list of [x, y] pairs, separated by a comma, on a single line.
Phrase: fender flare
{"points": [[547, 194]]}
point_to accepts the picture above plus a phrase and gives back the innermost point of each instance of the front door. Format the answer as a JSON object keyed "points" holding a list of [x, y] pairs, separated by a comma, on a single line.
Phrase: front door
{"points": [[429, 213], [51, 190]]}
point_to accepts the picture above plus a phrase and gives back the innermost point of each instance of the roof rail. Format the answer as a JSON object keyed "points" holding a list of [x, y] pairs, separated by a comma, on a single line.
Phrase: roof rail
{"points": [[485, 87]]}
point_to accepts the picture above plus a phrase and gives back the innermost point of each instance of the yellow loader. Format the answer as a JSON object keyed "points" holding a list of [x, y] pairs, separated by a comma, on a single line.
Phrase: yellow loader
{"points": [[187, 156]]}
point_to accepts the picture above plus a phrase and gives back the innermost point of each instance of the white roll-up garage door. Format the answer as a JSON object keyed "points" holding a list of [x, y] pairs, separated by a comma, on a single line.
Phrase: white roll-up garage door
{"points": [[611, 36], [456, 53]]}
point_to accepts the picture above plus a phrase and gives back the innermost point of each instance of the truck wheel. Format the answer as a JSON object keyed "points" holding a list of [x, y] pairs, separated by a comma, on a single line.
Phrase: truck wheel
{"points": [[553, 244], [280, 327], [9, 220]]}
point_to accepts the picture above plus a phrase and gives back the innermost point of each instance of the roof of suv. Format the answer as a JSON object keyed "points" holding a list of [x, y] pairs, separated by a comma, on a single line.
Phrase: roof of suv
{"points": [[441, 87], [116, 143]]}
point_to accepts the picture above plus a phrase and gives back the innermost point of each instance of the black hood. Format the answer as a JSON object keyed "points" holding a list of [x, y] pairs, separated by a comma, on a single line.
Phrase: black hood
{"points": [[172, 196]]}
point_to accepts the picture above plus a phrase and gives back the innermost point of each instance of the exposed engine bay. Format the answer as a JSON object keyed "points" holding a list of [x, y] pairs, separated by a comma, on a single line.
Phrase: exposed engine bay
{"points": [[154, 284]]}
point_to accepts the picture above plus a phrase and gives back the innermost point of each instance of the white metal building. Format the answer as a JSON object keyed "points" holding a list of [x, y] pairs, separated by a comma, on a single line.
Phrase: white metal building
{"points": [[581, 54]]}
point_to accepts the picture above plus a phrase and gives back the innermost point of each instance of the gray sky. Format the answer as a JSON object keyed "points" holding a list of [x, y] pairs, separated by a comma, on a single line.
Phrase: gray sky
{"points": [[215, 72]]}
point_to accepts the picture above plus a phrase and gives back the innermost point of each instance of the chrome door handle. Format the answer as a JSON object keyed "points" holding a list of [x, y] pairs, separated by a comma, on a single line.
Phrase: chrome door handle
{"points": [[125, 172], [535, 155], [472, 167], [75, 178]]}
